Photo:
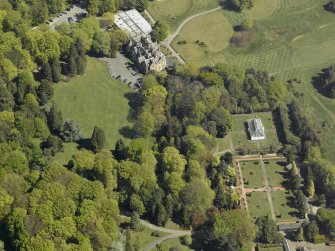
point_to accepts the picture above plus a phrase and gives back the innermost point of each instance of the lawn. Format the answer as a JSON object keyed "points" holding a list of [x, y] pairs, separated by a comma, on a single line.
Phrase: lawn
{"points": [[252, 174], [276, 171], [215, 34], [240, 138], [222, 144], [282, 201], [294, 39], [258, 204], [174, 12], [94, 99]]}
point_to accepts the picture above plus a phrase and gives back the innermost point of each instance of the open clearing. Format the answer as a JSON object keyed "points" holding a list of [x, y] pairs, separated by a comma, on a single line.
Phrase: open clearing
{"points": [[94, 99], [295, 39], [174, 12]]}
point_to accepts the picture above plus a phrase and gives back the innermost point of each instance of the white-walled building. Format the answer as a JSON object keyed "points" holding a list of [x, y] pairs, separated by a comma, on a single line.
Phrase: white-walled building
{"points": [[256, 129]]}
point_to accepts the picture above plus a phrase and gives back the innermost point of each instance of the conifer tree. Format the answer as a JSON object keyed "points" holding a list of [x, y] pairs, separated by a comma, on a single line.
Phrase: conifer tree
{"points": [[46, 72], [98, 139], [55, 70]]}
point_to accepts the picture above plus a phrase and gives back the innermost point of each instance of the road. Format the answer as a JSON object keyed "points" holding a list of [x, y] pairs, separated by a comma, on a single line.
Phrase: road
{"points": [[167, 42], [172, 234]]}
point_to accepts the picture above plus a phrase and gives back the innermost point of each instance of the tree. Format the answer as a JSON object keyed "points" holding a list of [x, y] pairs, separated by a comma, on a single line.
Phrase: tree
{"points": [[81, 64], [227, 230], [267, 231], [46, 71], [55, 119], [101, 43], [223, 120], [72, 63], [98, 139], [145, 125], [331, 6], [6, 98], [160, 31], [135, 222], [241, 4], [55, 70], [84, 160], [311, 230], [310, 188], [196, 197], [45, 91], [71, 131], [39, 12], [299, 235], [120, 152], [54, 144], [93, 7], [295, 181]]}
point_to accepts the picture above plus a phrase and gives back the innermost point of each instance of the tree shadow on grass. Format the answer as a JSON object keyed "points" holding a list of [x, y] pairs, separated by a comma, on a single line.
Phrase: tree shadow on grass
{"points": [[318, 82], [279, 127], [84, 144], [134, 100], [128, 132]]}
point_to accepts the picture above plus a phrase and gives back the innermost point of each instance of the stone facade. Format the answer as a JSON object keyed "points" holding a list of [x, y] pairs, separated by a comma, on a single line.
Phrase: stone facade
{"points": [[146, 54]]}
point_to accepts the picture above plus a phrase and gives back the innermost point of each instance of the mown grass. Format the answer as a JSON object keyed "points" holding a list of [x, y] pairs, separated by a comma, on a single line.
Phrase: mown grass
{"points": [[295, 39], [276, 172], [258, 204], [283, 206], [252, 174], [240, 136], [93, 99], [173, 12]]}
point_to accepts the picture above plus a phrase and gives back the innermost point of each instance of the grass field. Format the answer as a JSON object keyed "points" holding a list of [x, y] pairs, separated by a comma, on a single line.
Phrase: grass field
{"points": [[258, 204], [276, 173], [252, 174], [295, 38], [173, 12], [281, 202], [93, 99]]}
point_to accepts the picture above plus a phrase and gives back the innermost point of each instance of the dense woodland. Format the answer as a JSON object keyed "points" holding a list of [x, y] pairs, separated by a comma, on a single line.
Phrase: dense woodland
{"points": [[167, 171]]}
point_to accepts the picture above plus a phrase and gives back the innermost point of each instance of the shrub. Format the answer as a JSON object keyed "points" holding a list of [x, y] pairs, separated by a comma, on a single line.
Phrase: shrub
{"points": [[156, 233], [186, 240]]}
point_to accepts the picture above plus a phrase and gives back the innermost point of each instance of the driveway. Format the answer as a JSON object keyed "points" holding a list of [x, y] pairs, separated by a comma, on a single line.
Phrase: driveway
{"points": [[75, 13], [121, 68]]}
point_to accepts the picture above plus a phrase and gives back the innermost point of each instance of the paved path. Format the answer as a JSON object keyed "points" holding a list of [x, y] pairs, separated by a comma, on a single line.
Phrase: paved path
{"points": [[167, 42], [172, 234]]}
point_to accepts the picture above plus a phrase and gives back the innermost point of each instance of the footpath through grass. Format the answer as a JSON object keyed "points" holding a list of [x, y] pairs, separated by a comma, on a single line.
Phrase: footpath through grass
{"points": [[94, 99], [174, 12]]}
